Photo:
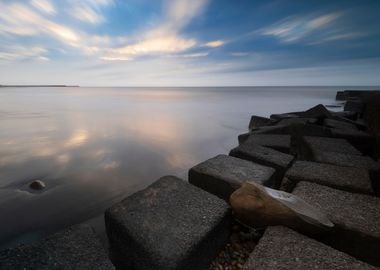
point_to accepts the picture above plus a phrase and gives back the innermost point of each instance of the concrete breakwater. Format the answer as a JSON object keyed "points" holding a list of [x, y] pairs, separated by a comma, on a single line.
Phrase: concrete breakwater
{"points": [[328, 159]]}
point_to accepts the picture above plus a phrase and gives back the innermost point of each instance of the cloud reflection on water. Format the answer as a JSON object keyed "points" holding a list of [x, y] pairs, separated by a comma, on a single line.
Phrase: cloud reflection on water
{"points": [[94, 146]]}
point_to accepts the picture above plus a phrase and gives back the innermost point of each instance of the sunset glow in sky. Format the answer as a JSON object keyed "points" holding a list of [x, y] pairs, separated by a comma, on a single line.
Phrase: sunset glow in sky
{"points": [[189, 42]]}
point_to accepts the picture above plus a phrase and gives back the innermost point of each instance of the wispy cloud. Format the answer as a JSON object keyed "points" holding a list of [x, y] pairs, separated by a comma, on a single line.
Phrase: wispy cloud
{"points": [[24, 53], [44, 5], [87, 14], [293, 29], [215, 43], [165, 38]]}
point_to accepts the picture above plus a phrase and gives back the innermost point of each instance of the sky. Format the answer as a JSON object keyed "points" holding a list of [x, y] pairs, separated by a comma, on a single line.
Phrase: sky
{"points": [[190, 42]]}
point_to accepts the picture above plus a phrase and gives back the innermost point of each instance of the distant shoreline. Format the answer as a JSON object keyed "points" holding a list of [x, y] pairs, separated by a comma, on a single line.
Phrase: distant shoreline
{"points": [[52, 85]]}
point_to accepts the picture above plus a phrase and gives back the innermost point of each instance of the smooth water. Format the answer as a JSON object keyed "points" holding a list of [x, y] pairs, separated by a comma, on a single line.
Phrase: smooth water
{"points": [[94, 146]]}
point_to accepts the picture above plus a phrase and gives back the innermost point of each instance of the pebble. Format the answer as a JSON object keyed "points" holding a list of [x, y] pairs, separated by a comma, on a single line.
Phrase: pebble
{"points": [[241, 243]]}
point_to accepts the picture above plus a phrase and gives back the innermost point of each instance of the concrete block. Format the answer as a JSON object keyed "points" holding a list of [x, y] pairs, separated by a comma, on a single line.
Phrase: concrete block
{"points": [[169, 225], [222, 175], [331, 123], [360, 139], [74, 248], [283, 248], [308, 146], [259, 121], [343, 178], [277, 142], [264, 156], [356, 216]]}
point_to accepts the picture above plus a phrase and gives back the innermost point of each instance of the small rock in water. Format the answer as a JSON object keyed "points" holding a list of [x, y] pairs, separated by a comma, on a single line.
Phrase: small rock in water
{"points": [[37, 185]]}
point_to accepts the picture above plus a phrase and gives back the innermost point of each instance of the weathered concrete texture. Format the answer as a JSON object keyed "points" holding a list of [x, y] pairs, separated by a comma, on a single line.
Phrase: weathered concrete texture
{"points": [[347, 160], [281, 116], [314, 144], [361, 140], [74, 248], [264, 156], [297, 130], [344, 178], [259, 121], [354, 106], [299, 120], [222, 175], [277, 142], [169, 225], [331, 123], [346, 114], [283, 248], [356, 216], [243, 137], [318, 111]]}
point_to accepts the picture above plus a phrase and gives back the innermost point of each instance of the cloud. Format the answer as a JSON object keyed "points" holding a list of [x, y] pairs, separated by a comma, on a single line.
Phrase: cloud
{"points": [[87, 14], [24, 53], [44, 5], [215, 43], [293, 29], [164, 38]]}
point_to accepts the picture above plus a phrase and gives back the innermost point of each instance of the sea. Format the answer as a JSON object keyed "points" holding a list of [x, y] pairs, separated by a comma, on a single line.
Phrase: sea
{"points": [[94, 146]]}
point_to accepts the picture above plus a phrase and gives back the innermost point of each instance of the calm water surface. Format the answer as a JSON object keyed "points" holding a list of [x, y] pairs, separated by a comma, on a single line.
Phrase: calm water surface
{"points": [[94, 146]]}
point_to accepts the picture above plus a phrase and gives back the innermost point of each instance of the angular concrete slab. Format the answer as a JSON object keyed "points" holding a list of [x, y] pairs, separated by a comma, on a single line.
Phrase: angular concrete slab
{"points": [[331, 123], [347, 160], [281, 116], [356, 216], [297, 130], [243, 137], [259, 121], [169, 225], [283, 248], [299, 120], [277, 142], [360, 139], [74, 248], [222, 175], [354, 106], [343, 178], [319, 111], [355, 161], [314, 144], [264, 156]]}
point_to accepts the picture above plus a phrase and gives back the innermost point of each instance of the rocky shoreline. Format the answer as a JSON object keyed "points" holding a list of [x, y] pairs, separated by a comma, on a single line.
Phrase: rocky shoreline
{"points": [[329, 159]]}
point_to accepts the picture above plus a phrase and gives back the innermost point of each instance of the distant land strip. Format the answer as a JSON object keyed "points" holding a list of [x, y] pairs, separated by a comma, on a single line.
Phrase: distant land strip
{"points": [[42, 85]]}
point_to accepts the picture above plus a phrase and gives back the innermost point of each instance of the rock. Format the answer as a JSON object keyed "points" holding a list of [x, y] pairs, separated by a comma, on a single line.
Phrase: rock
{"points": [[299, 120], [37, 185], [296, 130], [258, 121], [223, 174], [243, 137], [345, 114], [277, 142], [357, 106], [74, 248], [281, 116], [169, 225], [258, 206], [361, 140], [343, 178], [283, 248], [340, 95], [319, 112], [310, 145], [331, 123], [356, 216], [264, 156]]}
